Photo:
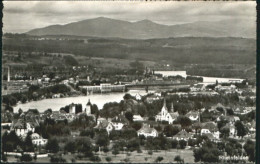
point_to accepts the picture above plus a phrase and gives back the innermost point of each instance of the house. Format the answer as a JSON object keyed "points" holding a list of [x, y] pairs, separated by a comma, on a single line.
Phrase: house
{"points": [[232, 129], [198, 87], [119, 121], [104, 124], [210, 128], [137, 118], [21, 127], [226, 89], [38, 140], [166, 115], [147, 131], [138, 96], [182, 135], [230, 119], [150, 99], [193, 115]]}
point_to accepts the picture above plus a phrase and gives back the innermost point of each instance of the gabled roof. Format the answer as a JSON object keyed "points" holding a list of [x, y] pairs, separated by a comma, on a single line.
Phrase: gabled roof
{"points": [[146, 129], [182, 134], [192, 114], [102, 125], [210, 125], [120, 119], [174, 114]]}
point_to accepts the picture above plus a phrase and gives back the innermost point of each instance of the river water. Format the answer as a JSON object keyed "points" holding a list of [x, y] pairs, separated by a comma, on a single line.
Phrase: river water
{"points": [[57, 103], [98, 99]]}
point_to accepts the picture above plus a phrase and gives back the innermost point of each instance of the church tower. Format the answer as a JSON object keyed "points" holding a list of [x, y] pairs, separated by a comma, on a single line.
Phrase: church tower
{"points": [[88, 108]]}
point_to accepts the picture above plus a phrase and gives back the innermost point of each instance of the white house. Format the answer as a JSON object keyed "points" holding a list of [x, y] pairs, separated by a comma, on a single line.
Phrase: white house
{"points": [[137, 118], [165, 115], [38, 140], [147, 131], [182, 135], [119, 121], [193, 115], [21, 127], [138, 96], [210, 128]]}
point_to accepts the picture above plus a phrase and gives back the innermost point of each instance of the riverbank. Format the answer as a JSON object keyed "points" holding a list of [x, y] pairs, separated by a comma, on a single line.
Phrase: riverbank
{"points": [[56, 103]]}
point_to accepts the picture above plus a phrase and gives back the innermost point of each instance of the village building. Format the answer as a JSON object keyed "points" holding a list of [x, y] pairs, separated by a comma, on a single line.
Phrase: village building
{"points": [[88, 108], [210, 128], [182, 135], [38, 140], [137, 118], [138, 96], [198, 87], [119, 121], [147, 131], [21, 127], [166, 115], [193, 115]]}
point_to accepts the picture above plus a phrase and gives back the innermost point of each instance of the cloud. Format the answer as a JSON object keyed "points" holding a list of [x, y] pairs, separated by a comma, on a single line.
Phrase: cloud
{"points": [[25, 15]]}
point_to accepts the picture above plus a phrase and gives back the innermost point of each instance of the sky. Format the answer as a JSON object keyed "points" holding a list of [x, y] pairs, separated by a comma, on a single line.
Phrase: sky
{"points": [[22, 16]]}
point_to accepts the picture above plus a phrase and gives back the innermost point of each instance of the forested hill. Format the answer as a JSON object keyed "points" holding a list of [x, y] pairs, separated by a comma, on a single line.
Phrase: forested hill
{"points": [[180, 50], [146, 29]]}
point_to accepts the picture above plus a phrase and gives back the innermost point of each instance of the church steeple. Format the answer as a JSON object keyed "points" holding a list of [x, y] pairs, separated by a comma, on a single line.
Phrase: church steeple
{"points": [[172, 109], [164, 103]]}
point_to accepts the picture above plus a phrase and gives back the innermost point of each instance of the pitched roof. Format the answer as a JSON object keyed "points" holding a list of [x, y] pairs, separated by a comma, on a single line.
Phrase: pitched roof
{"points": [[146, 129], [210, 125], [182, 134], [102, 125], [174, 114], [120, 119], [192, 114]]}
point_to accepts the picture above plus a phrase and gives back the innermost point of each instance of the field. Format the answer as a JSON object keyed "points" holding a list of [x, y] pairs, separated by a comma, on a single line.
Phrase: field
{"points": [[133, 157]]}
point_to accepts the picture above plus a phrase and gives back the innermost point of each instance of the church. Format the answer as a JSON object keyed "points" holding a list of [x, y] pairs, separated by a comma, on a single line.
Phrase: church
{"points": [[166, 115]]}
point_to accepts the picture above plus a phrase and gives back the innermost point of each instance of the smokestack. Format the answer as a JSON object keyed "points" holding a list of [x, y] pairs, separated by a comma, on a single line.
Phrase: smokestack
{"points": [[8, 74]]}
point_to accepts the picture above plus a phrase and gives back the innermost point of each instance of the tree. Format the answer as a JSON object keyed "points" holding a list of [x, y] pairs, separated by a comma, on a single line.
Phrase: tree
{"points": [[250, 150], [240, 128], [70, 146], [159, 159], [57, 159], [178, 159], [102, 141], [182, 144], [85, 146], [129, 116], [52, 145], [115, 151], [224, 132], [170, 130], [184, 121], [108, 159], [26, 158], [208, 152], [27, 144]]}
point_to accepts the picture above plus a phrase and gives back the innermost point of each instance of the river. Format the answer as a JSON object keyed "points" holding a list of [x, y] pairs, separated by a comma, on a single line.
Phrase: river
{"points": [[56, 103]]}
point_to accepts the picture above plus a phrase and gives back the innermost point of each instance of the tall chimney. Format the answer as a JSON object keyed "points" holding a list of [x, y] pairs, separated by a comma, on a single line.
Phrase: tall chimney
{"points": [[8, 74]]}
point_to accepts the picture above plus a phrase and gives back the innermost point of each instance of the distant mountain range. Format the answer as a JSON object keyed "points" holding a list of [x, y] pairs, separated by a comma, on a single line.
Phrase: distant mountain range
{"points": [[146, 29]]}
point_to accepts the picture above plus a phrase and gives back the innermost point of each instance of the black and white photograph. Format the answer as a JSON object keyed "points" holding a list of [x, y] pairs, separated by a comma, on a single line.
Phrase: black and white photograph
{"points": [[128, 82]]}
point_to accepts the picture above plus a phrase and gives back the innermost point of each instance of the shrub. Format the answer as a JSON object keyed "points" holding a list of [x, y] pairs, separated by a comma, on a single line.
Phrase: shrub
{"points": [[150, 152], [95, 159], [159, 159], [108, 159], [57, 159], [26, 158]]}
